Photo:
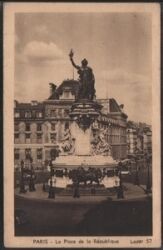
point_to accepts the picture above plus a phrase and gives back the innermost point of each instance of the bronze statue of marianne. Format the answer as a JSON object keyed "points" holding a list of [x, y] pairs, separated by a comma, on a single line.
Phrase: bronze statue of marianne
{"points": [[86, 79]]}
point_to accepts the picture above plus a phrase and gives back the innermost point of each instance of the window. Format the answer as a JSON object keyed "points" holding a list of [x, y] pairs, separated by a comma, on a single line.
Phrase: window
{"points": [[53, 113], [27, 127], [16, 154], [22, 114], [28, 153], [38, 114], [60, 112], [53, 137], [16, 127], [39, 138], [17, 114], [66, 94], [66, 125], [39, 153], [28, 114], [39, 128], [27, 136], [53, 126], [33, 113], [66, 112], [16, 136]]}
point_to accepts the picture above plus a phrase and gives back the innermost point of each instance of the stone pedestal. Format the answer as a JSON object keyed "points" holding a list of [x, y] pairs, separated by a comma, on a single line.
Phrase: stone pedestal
{"points": [[83, 115], [82, 139]]}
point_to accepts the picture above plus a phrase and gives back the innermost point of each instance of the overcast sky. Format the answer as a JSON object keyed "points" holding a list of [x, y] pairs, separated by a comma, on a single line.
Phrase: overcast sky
{"points": [[116, 45]]}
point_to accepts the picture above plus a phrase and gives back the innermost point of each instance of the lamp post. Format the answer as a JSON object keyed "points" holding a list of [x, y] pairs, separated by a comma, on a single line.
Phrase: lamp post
{"points": [[52, 180], [148, 185]]}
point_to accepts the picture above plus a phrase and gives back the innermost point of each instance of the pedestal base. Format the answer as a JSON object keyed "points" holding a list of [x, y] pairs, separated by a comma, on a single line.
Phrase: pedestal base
{"points": [[82, 140], [74, 161], [83, 114]]}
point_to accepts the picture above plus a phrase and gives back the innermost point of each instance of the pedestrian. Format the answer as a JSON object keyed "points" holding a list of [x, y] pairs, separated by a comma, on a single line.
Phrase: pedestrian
{"points": [[93, 191], [104, 172], [76, 193], [66, 172], [120, 194], [44, 187], [22, 187], [120, 165], [52, 185], [31, 182], [22, 184], [32, 177]]}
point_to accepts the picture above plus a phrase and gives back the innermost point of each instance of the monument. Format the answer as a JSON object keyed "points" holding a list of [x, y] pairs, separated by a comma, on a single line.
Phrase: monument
{"points": [[85, 148]]}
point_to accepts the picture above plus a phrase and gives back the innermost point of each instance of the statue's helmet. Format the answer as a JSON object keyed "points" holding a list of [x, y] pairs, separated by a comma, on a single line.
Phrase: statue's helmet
{"points": [[84, 62]]}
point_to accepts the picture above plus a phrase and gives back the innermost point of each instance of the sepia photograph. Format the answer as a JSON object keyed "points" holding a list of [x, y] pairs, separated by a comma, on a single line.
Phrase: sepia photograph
{"points": [[82, 125]]}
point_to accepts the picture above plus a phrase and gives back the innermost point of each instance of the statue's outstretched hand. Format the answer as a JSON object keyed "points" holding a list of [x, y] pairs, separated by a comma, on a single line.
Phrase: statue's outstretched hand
{"points": [[71, 53]]}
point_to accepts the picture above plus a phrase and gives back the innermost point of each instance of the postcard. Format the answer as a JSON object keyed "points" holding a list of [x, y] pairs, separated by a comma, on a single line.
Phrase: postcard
{"points": [[82, 125]]}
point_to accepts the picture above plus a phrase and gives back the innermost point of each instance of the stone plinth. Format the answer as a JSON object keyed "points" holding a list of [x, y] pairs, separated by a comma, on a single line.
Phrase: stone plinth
{"points": [[83, 114], [72, 161], [82, 139]]}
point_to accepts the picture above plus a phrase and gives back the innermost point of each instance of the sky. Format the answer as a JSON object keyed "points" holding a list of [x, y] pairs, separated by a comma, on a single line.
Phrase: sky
{"points": [[117, 46]]}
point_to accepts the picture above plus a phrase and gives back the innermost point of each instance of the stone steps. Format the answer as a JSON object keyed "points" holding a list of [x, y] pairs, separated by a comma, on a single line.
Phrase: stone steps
{"points": [[97, 190], [88, 192]]}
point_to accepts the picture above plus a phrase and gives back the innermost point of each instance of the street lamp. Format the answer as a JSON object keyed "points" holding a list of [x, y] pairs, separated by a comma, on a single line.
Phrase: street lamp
{"points": [[51, 180], [148, 185]]}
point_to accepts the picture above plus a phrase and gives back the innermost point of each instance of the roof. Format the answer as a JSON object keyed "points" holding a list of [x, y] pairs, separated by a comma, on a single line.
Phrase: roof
{"points": [[28, 106], [70, 83], [114, 107], [139, 127]]}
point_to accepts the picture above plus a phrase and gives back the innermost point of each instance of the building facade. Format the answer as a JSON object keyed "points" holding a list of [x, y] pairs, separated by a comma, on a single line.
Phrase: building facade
{"points": [[139, 138], [39, 127]]}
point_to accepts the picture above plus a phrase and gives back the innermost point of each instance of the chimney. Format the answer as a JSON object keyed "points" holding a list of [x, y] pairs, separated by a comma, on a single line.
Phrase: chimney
{"points": [[34, 102]]}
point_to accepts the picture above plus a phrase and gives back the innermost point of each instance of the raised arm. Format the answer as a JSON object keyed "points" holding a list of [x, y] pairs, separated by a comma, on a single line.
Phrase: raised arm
{"points": [[72, 61]]}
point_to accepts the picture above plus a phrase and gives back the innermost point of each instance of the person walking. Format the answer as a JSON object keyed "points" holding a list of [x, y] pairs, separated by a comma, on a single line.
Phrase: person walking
{"points": [[76, 193], [52, 185], [31, 181], [32, 177], [22, 184]]}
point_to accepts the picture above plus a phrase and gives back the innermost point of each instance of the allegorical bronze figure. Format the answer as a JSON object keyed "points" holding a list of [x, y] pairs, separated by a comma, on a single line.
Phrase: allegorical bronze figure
{"points": [[86, 79]]}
